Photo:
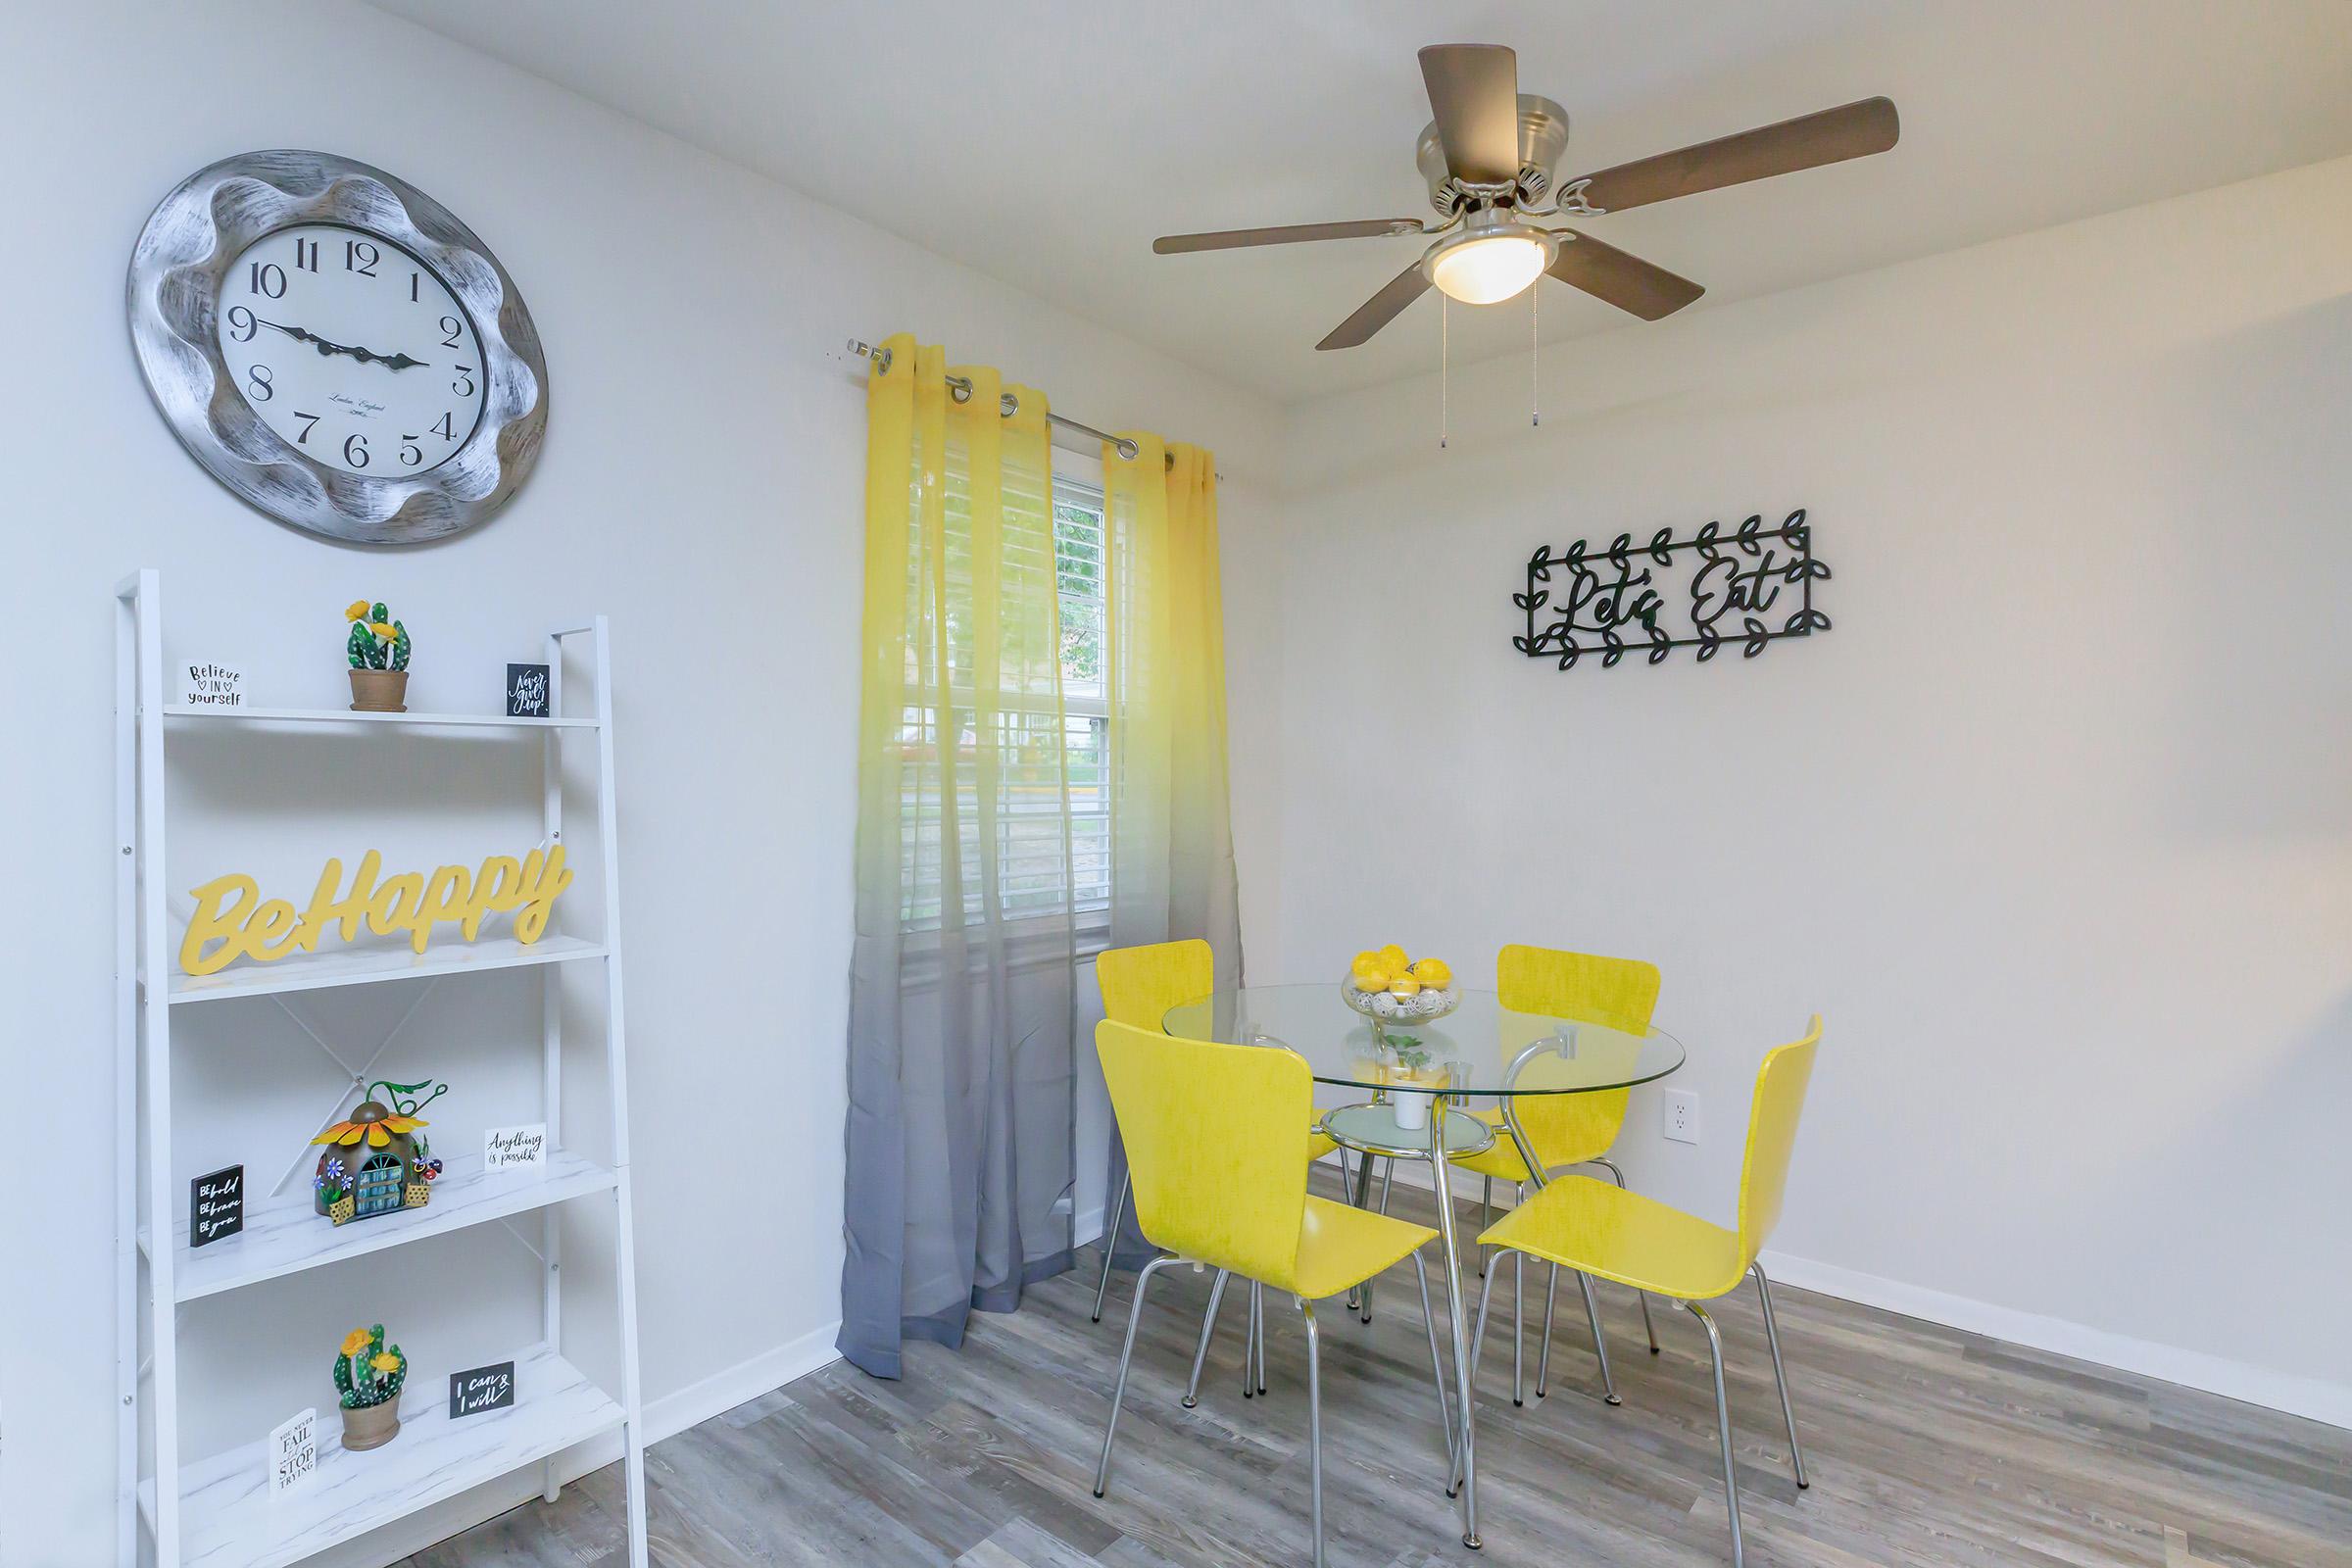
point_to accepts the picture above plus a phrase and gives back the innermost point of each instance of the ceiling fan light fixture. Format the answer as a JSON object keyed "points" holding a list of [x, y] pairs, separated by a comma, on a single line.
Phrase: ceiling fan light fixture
{"points": [[1491, 263]]}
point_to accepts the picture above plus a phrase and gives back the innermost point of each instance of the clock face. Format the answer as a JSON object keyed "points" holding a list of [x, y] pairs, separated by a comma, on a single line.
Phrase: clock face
{"points": [[352, 349]]}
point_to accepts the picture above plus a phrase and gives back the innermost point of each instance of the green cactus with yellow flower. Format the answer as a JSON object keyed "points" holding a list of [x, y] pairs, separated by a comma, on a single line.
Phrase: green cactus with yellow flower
{"points": [[368, 1371], [376, 641]]}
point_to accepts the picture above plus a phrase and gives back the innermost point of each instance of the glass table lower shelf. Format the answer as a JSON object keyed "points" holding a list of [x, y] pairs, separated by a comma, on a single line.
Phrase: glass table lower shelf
{"points": [[1374, 1129]]}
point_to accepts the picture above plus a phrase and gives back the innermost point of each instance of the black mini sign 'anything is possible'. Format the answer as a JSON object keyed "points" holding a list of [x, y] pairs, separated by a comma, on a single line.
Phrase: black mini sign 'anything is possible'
{"points": [[1748, 585]]}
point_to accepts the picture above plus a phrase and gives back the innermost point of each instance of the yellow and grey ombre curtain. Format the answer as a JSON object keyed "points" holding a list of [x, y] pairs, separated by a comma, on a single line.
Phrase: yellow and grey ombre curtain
{"points": [[1171, 832], [963, 1115]]}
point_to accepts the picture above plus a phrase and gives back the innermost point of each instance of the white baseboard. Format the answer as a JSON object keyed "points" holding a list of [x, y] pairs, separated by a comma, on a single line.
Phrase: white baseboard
{"points": [[2310, 1397], [698, 1403], [665, 1417], [2331, 1403]]}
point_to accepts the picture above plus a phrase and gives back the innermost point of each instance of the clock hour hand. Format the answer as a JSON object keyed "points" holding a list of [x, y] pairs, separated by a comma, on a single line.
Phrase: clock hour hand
{"points": [[303, 334]]}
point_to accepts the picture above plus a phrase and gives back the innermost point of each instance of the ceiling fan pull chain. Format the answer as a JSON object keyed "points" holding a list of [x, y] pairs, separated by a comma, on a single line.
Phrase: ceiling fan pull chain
{"points": [[1444, 361], [1535, 355]]}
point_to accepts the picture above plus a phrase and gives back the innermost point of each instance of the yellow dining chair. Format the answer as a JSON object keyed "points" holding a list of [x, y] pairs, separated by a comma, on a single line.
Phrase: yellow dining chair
{"points": [[1216, 1145], [1595, 1228], [1565, 1129], [1139, 986]]}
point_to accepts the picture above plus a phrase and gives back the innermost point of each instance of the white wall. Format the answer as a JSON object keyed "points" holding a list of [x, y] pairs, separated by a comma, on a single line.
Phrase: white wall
{"points": [[702, 484], [2055, 826]]}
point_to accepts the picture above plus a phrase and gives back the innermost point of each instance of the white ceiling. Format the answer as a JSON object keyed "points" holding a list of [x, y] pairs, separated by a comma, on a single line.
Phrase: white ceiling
{"points": [[1046, 143]]}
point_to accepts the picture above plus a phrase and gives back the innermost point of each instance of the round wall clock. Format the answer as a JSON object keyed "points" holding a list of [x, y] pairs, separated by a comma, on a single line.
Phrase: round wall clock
{"points": [[337, 347]]}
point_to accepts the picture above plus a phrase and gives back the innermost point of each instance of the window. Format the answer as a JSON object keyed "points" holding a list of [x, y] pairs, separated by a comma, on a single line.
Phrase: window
{"points": [[1029, 869], [1078, 559]]}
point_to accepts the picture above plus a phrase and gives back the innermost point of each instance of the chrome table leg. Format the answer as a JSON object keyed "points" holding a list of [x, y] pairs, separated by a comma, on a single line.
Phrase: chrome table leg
{"points": [[1461, 1342], [1436, 1363]]}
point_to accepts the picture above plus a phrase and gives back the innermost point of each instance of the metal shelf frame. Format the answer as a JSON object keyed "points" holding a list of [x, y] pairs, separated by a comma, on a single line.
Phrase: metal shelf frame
{"points": [[177, 1501]]}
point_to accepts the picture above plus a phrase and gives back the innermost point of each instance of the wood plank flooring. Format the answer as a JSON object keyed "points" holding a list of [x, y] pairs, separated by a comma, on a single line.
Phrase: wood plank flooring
{"points": [[1925, 1446]]}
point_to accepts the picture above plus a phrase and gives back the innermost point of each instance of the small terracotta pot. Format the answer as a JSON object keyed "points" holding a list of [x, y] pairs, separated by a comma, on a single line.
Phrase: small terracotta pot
{"points": [[370, 1427], [380, 691]]}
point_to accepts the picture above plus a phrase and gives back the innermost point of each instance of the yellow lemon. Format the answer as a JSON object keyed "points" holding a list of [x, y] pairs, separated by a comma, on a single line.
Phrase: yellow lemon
{"points": [[1404, 985], [1433, 973], [1366, 959], [1392, 959], [1371, 979]]}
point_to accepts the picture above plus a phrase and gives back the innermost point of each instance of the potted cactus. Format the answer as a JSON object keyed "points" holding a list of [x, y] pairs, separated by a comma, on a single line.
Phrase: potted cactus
{"points": [[378, 648], [368, 1374]]}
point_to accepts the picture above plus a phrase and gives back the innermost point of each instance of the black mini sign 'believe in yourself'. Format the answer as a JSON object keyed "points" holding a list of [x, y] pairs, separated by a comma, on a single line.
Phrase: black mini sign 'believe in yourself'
{"points": [[216, 1205]]}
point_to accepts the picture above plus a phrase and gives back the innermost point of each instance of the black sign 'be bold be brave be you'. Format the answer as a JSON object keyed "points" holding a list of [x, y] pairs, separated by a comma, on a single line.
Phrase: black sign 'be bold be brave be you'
{"points": [[216, 1205]]}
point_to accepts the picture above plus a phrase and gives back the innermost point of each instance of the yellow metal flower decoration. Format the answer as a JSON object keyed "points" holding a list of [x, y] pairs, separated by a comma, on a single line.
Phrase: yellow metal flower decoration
{"points": [[377, 1133]]}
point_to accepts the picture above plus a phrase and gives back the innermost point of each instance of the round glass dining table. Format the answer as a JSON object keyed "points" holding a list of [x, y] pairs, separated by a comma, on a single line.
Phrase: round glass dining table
{"points": [[1481, 1050]]}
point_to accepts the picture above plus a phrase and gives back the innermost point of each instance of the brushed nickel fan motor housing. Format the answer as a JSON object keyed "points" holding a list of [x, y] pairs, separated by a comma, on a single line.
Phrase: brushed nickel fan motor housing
{"points": [[1543, 139]]}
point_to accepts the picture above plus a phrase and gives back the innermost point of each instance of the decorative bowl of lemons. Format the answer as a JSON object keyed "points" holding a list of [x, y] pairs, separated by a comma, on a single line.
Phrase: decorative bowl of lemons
{"points": [[1388, 987]]}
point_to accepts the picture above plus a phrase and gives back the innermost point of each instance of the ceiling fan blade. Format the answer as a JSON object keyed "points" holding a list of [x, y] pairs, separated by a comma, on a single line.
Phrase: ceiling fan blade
{"points": [[1833, 135], [1614, 277], [1473, 92], [1224, 239], [1378, 310]]}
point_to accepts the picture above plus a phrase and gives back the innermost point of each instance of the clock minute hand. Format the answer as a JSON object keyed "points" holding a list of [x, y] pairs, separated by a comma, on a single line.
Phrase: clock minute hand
{"points": [[303, 334]]}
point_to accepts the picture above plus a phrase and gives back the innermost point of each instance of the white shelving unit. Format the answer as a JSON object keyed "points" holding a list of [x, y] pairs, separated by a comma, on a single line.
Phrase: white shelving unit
{"points": [[215, 1512]]}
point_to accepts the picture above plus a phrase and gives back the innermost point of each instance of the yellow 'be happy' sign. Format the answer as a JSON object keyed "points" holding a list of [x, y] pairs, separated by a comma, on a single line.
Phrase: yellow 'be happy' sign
{"points": [[230, 910]]}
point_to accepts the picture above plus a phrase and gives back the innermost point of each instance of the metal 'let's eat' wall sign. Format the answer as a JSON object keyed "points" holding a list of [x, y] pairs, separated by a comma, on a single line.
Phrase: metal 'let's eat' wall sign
{"points": [[1748, 586]]}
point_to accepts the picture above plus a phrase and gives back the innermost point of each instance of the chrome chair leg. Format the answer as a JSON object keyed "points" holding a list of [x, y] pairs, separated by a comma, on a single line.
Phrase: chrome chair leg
{"points": [[1253, 1364], [1772, 1337], [1723, 1425], [1314, 1424], [1110, 1245], [1648, 1327], [1437, 1364], [1118, 1389], [1551, 1292], [1208, 1326], [1518, 1312], [1600, 1348]]}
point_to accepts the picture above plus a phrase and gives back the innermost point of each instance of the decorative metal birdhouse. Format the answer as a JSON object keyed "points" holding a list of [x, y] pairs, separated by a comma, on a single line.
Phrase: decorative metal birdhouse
{"points": [[377, 1158]]}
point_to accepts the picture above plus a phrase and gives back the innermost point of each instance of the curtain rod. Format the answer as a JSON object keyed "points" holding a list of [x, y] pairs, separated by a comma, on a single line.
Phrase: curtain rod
{"points": [[960, 389]]}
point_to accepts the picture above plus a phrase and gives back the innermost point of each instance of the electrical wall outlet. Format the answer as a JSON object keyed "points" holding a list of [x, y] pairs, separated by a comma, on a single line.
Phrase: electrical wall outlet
{"points": [[1679, 1113]]}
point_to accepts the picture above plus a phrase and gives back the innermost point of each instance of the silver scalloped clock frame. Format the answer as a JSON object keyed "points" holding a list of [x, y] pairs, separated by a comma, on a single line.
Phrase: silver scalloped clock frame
{"points": [[174, 286]]}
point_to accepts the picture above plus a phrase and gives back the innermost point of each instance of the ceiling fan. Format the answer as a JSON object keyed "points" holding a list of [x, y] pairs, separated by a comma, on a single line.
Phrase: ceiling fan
{"points": [[1489, 157]]}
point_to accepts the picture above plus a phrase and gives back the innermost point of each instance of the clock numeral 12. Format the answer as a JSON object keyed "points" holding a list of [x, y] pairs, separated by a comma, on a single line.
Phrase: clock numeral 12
{"points": [[361, 257]]}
